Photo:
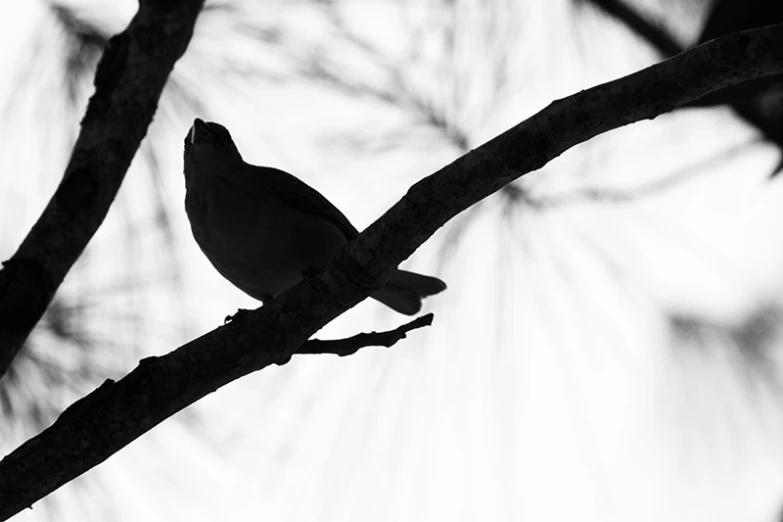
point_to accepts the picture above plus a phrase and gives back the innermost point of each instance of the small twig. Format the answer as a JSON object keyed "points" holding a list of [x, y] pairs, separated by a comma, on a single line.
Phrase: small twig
{"points": [[351, 345]]}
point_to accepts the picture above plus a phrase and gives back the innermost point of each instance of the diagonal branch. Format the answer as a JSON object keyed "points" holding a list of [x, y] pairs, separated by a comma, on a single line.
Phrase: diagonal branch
{"points": [[128, 83], [668, 47], [94, 428]]}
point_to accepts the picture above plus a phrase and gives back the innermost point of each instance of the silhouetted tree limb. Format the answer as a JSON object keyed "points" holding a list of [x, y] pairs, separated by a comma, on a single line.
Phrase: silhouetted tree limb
{"points": [[128, 83], [350, 346], [665, 44], [94, 428], [653, 33]]}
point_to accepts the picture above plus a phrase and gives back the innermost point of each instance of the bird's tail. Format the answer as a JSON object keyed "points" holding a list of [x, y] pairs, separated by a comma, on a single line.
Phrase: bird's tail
{"points": [[405, 290]]}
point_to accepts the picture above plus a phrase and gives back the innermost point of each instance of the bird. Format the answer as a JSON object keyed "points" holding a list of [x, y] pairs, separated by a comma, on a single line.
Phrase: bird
{"points": [[262, 228]]}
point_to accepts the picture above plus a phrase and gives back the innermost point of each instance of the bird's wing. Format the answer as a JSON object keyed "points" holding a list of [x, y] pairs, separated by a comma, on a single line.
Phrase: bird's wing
{"points": [[292, 191]]}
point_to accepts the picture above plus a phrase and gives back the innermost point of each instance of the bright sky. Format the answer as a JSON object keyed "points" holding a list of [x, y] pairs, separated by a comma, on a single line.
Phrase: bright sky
{"points": [[590, 358]]}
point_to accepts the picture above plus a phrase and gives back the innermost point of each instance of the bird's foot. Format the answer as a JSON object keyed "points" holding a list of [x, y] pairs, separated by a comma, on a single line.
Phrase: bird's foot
{"points": [[239, 314]]}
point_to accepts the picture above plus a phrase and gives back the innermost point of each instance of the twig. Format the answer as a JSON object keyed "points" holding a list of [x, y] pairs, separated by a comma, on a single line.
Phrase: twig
{"points": [[351, 345]]}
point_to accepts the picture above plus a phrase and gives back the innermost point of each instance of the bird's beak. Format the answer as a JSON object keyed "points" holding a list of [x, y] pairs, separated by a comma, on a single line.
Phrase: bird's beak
{"points": [[199, 131]]}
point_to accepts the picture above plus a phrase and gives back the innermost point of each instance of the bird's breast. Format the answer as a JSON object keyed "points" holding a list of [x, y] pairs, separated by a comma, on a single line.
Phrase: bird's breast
{"points": [[257, 241]]}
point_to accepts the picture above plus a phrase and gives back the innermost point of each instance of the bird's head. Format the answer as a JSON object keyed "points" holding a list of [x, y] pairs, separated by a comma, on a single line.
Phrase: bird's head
{"points": [[208, 146]]}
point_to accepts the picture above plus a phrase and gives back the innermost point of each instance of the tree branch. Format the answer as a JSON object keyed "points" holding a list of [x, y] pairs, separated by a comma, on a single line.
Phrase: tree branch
{"points": [[128, 83], [668, 47], [652, 32], [350, 346], [94, 428]]}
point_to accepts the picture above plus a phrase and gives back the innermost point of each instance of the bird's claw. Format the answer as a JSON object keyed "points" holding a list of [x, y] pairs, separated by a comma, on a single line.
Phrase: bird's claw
{"points": [[238, 315]]}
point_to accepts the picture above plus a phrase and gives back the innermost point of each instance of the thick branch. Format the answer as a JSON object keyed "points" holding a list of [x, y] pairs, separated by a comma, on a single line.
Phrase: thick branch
{"points": [[128, 83], [563, 124], [667, 46], [99, 425]]}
